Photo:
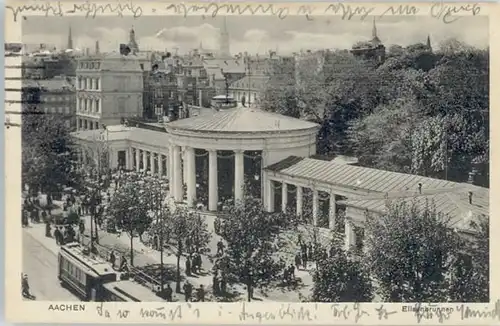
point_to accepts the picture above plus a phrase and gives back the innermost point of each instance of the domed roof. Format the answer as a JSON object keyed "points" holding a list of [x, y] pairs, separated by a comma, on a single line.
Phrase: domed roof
{"points": [[241, 120]]}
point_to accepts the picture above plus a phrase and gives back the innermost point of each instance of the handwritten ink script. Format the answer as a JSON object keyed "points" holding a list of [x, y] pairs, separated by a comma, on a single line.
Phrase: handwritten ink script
{"points": [[447, 13], [443, 313], [310, 312]]}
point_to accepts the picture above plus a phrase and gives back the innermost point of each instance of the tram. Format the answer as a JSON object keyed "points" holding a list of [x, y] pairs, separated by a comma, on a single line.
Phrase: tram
{"points": [[128, 291], [94, 279], [84, 273]]}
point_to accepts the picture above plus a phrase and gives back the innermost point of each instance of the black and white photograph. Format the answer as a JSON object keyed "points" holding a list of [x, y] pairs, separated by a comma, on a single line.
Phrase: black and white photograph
{"points": [[252, 159]]}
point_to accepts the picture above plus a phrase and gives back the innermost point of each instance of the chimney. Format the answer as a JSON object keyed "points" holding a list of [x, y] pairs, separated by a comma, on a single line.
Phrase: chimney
{"points": [[470, 197], [419, 188], [472, 176]]}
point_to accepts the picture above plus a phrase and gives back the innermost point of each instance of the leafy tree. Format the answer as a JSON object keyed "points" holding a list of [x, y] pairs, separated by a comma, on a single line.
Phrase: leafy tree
{"points": [[409, 250], [470, 278], [48, 155], [250, 234], [340, 279], [129, 208], [185, 224]]}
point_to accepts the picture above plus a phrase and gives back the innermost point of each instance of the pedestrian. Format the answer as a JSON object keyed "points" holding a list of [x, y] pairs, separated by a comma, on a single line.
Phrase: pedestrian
{"points": [[25, 286], [198, 262], [215, 283], [123, 265], [299, 239], [44, 216], [81, 226], [200, 294], [168, 293], [297, 260], [47, 229], [304, 259], [291, 272], [188, 290], [310, 252], [285, 275], [25, 218], [58, 236], [188, 266], [112, 258], [223, 283], [220, 248]]}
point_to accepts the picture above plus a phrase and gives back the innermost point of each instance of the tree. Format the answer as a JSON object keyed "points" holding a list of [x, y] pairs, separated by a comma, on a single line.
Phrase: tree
{"points": [[49, 153], [470, 278], [410, 249], [250, 233], [340, 279], [184, 226], [130, 208]]}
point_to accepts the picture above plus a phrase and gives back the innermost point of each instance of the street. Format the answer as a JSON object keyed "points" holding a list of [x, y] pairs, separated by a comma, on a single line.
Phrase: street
{"points": [[41, 266]]}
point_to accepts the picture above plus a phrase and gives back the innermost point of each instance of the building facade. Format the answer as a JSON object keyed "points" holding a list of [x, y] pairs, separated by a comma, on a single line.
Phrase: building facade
{"points": [[161, 96], [109, 89]]}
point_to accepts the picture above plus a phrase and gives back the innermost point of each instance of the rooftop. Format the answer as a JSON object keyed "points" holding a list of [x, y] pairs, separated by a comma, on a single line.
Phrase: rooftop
{"points": [[452, 202], [121, 133], [357, 177], [241, 120]]}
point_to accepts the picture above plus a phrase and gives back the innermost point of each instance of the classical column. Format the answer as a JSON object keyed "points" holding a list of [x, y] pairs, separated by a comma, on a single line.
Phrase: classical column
{"points": [[160, 164], [284, 196], [263, 181], [315, 207], [137, 159], [299, 201], [177, 173], [350, 237], [144, 160], [152, 162], [171, 179], [239, 176], [213, 188], [191, 175], [270, 195], [332, 212], [184, 165]]}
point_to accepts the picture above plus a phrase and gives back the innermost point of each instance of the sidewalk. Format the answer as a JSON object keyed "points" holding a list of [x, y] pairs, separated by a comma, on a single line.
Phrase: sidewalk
{"points": [[37, 231]]}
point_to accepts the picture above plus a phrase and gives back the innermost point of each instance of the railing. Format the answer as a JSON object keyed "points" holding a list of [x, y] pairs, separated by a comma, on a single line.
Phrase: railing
{"points": [[135, 272]]}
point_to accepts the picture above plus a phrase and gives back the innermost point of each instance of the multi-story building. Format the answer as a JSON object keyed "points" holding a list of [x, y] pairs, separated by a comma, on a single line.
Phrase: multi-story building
{"points": [[160, 97], [58, 96], [109, 89]]}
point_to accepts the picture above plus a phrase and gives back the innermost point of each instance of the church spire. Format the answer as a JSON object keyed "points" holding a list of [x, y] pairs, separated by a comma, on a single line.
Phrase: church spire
{"points": [[224, 40], [70, 39], [97, 50], [374, 29], [375, 40], [429, 42], [132, 43]]}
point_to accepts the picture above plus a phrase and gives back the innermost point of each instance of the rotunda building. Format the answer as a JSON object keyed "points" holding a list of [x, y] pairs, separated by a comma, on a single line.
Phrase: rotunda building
{"points": [[231, 147]]}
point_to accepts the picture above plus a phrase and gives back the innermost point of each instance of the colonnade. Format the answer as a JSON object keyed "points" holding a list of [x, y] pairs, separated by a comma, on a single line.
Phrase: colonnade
{"points": [[183, 166], [148, 159], [350, 235]]}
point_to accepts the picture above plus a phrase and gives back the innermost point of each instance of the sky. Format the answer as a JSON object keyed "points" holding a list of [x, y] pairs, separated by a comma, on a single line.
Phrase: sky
{"points": [[253, 34]]}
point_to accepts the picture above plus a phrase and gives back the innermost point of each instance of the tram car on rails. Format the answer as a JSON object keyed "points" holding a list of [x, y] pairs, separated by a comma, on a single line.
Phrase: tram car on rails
{"points": [[94, 279], [128, 291]]}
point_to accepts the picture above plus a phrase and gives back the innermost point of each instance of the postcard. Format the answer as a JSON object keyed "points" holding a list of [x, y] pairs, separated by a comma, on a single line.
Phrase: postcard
{"points": [[251, 163]]}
